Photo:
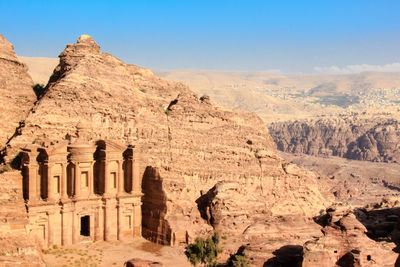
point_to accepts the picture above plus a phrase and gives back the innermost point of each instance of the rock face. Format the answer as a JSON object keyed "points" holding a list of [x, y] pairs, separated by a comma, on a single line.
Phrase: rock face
{"points": [[16, 98], [16, 94], [353, 137], [345, 243], [187, 146], [15, 246], [279, 242]]}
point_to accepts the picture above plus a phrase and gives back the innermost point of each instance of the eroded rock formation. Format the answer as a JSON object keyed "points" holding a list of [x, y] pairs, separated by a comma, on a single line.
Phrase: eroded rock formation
{"points": [[187, 146], [16, 98], [16, 94], [345, 243], [372, 138], [16, 248]]}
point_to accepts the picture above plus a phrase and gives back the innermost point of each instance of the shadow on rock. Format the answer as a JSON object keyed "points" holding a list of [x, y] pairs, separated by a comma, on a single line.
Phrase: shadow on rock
{"points": [[286, 256]]}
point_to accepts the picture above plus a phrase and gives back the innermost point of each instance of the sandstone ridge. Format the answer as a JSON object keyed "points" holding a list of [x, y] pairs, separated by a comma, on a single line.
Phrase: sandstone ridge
{"points": [[358, 136], [187, 146], [16, 93]]}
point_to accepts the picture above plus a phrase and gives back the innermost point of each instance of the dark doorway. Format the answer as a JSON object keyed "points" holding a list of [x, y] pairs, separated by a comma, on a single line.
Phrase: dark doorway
{"points": [[85, 225]]}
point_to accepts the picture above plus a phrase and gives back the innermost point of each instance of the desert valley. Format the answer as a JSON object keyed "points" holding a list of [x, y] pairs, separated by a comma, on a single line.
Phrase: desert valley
{"points": [[200, 133], [110, 155]]}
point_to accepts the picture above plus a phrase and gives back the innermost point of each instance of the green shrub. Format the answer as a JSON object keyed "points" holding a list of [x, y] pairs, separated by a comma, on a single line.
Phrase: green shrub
{"points": [[204, 251], [4, 168], [238, 260]]}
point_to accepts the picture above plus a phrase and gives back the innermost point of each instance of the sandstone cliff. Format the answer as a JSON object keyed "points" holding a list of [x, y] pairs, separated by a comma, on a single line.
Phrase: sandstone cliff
{"points": [[16, 98], [345, 241], [16, 94], [359, 136], [198, 160]]}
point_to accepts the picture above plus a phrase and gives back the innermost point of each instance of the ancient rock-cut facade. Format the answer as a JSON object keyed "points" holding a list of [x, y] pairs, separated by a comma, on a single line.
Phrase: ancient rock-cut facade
{"points": [[82, 191]]}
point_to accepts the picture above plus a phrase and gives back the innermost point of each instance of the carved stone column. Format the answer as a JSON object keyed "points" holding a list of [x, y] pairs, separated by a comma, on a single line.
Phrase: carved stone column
{"points": [[50, 231], [110, 220], [119, 221], [50, 182], [99, 223], [67, 224], [120, 178], [75, 228], [91, 180], [34, 195], [77, 179], [64, 183], [106, 178], [137, 219]]}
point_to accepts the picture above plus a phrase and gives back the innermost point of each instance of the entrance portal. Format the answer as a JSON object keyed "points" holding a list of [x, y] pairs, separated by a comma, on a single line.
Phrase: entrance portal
{"points": [[85, 225]]}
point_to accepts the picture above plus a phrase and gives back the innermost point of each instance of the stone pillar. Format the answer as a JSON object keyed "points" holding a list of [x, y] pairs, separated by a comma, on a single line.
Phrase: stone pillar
{"points": [[50, 182], [137, 220], [110, 220], [38, 184], [99, 224], [106, 178], [77, 179], [91, 189], [33, 173], [50, 231], [67, 226], [64, 183], [75, 228], [120, 178], [119, 222]]}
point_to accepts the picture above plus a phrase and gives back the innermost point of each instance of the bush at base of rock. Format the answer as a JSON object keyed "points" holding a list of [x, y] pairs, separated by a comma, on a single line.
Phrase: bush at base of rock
{"points": [[238, 260], [204, 251]]}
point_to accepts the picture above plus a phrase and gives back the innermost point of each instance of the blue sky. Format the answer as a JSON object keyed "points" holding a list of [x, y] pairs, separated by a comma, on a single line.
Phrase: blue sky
{"points": [[290, 36]]}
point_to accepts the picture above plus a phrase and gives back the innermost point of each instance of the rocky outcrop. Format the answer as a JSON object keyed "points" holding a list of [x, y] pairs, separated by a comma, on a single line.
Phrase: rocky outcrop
{"points": [[15, 246], [359, 137], [279, 241], [345, 243], [16, 93], [187, 145]]}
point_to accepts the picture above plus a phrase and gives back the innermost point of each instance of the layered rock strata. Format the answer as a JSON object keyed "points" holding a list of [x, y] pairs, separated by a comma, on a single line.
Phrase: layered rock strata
{"points": [[16, 248], [187, 146], [16, 98], [16, 93], [345, 243], [372, 138]]}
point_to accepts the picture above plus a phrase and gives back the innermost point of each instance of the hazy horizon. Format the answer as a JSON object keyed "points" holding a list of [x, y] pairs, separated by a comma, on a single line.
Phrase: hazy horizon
{"points": [[308, 37]]}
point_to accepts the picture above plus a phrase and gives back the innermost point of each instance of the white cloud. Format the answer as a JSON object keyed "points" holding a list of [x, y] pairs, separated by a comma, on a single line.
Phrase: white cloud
{"points": [[349, 69]]}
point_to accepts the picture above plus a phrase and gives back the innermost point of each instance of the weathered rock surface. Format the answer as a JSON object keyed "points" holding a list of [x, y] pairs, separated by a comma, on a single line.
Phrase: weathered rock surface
{"points": [[345, 243], [352, 181], [372, 138], [16, 249], [279, 242], [187, 146], [16, 94]]}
